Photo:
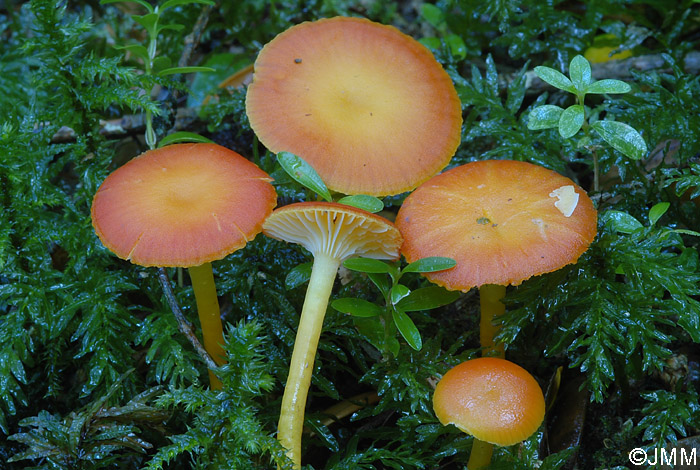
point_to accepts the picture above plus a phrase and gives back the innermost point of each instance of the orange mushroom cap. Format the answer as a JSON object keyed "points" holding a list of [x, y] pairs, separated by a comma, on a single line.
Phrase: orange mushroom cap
{"points": [[492, 399], [337, 230], [503, 221], [368, 107], [182, 205]]}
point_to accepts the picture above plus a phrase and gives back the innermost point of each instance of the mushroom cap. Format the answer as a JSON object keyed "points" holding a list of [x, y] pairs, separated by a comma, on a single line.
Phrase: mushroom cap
{"points": [[182, 205], [338, 230], [492, 399], [503, 221], [368, 107]]}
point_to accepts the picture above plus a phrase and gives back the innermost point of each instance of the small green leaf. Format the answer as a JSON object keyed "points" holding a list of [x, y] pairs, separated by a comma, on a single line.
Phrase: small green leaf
{"points": [[381, 281], [300, 274], [160, 63], [321, 430], [457, 46], [544, 117], [687, 232], [622, 138], [373, 330], [491, 75], [432, 14], [430, 264], [621, 221], [182, 136], [173, 3], [169, 27], [143, 3], [303, 173], [362, 201], [571, 121], [137, 49], [148, 21], [657, 211], [555, 78], [357, 307], [580, 72], [427, 298], [398, 292], [431, 43], [367, 265], [407, 329], [174, 70], [516, 90], [608, 86]]}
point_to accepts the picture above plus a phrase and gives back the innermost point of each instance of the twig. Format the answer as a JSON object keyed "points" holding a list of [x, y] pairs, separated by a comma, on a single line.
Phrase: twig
{"points": [[184, 325], [347, 407], [192, 39], [129, 124]]}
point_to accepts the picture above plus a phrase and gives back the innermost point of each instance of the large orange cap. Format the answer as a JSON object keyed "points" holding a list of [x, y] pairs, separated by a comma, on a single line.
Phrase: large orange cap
{"points": [[503, 221], [182, 205], [366, 105], [492, 399], [337, 230]]}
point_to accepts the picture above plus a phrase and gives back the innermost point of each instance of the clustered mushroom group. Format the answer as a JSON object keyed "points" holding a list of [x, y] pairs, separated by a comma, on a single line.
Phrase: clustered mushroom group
{"points": [[372, 111]]}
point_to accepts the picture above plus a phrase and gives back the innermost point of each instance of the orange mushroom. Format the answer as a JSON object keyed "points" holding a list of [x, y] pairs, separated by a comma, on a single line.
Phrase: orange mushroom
{"points": [[503, 221], [185, 205], [332, 232], [496, 401], [368, 107]]}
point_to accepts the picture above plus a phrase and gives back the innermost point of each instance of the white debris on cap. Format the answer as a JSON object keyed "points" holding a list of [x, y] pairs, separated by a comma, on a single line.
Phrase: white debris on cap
{"points": [[567, 199]]}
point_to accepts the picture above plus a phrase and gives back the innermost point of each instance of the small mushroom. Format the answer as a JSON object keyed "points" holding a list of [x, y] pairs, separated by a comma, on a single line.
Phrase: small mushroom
{"points": [[496, 401], [185, 205], [332, 232], [368, 107]]}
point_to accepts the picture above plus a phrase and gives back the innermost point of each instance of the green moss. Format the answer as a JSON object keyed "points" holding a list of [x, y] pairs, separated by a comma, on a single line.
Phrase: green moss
{"points": [[94, 372]]}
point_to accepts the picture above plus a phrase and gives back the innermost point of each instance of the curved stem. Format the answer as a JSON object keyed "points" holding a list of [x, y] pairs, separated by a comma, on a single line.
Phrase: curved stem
{"points": [[291, 423], [209, 316], [480, 456], [490, 296], [182, 323]]}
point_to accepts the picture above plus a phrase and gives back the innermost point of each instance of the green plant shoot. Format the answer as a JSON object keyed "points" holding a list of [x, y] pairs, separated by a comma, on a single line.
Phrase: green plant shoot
{"points": [[398, 299], [569, 121]]}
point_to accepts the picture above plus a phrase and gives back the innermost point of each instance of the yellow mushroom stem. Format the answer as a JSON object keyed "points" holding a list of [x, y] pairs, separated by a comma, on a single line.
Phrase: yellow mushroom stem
{"points": [[291, 423], [490, 296], [209, 316], [480, 456]]}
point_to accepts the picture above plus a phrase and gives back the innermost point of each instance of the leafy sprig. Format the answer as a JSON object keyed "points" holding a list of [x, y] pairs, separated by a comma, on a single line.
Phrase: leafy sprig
{"points": [[159, 66], [383, 322], [494, 126], [569, 121]]}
